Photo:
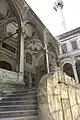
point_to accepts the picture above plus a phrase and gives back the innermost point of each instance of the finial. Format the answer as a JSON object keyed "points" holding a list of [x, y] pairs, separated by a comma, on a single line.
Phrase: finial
{"points": [[57, 4]]}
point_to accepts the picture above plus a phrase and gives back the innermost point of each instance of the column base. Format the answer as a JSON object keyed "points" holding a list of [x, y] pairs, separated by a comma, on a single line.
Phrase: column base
{"points": [[21, 78]]}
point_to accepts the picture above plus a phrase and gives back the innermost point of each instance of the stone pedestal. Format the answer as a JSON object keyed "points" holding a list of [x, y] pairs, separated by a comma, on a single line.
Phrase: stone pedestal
{"points": [[20, 78]]}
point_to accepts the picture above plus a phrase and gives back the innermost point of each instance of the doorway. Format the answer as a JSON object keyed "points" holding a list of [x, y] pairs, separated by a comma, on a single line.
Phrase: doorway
{"points": [[5, 65]]}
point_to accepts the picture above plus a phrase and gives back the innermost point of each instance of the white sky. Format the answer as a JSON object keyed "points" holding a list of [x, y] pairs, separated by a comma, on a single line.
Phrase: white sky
{"points": [[44, 10]]}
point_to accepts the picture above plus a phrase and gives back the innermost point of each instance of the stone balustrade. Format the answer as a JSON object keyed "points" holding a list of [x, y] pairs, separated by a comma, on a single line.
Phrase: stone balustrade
{"points": [[8, 76]]}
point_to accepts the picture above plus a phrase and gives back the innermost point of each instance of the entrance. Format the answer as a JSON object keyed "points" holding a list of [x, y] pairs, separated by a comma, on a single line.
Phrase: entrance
{"points": [[67, 68], [5, 65]]}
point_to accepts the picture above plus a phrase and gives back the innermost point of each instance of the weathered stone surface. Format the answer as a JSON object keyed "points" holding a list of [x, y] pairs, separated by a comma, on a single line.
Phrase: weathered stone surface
{"points": [[61, 98], [67, 114]]}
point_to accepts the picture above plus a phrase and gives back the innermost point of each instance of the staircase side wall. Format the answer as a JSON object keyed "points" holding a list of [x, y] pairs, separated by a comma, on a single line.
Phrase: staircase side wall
{"points": [[59, 99]]}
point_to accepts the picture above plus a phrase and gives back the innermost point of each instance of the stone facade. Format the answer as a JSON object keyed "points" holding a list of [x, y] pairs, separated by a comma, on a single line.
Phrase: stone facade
{"points": [[29, 56], [70, 53], [24, 43]]}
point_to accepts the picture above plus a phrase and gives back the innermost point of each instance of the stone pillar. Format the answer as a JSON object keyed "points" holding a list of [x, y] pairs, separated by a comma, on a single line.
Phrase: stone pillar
{"points": [[62, 74], [18, 56], [37, 75], [75, 73], [30, 80], [46, 51], [21, 68]]}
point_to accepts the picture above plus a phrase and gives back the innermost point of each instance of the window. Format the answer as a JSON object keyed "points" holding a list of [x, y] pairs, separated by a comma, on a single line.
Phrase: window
{"points": [[28, 58], [74, 45], [64, 48], [8, 47]]}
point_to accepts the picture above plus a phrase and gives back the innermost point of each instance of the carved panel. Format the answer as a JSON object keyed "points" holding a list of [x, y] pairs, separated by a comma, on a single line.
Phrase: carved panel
{"points": [[11, 29], [28, 58]]}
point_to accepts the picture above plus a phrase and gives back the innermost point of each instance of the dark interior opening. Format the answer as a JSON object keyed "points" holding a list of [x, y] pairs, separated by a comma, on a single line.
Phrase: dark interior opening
{"points": [[5, 65]]}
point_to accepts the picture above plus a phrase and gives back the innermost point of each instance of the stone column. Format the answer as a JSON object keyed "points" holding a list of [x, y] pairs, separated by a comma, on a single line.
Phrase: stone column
{"points": [[37, 75], [46, 51], [75, 73], [21, 68], [30, 80], [62, 74], [18, 56]]}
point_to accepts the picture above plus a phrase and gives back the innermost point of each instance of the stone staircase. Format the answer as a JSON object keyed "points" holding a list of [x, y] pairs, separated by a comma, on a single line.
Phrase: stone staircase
{"points": [[20, 105]]}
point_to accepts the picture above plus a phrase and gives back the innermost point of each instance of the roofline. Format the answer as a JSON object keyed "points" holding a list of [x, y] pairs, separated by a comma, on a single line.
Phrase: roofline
{"points": [[69, 33], [44, 27]]}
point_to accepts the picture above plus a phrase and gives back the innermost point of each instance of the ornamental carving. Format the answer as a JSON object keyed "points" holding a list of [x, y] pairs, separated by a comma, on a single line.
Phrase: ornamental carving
{"points": [[28, 58], [11, 28], [8, 21]]}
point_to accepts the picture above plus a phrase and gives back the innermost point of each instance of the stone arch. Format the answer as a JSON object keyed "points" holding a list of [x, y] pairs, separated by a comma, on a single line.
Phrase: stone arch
{"points": [[31, 29], [9, 60], [39, 33], [40, 67], [5, 65], [41, 63], [67, 68], [38, 59], [53, 48], [16, 10], [64, 61], [50, 53]]}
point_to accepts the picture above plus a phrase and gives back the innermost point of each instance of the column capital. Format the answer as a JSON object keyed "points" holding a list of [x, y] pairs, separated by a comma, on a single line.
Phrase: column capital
{"points": [[74, 66], [46, 50]]}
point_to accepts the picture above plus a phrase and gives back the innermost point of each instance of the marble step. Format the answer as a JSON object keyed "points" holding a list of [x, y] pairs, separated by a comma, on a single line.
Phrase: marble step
{"points": [[19, 113], [22, 118], [22, 102], [18, 107], [28, 97]]}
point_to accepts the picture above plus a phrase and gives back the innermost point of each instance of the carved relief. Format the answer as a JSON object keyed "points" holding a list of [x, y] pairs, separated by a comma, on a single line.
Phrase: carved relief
{"points": [[11, 29], [35, 46], [28, 58], [4, 10], [8, 21]]}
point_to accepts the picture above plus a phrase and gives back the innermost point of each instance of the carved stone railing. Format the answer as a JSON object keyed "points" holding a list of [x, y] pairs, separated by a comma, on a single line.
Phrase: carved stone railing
{"points": [[8, 76], [9, 82]]}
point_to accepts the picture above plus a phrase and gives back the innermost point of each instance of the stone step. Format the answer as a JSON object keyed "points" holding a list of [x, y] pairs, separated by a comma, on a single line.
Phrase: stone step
{"points": [[20, 113], [22, 118], [22, 94], [28, 97], [24, 102], [18, 107], [25, 90]]}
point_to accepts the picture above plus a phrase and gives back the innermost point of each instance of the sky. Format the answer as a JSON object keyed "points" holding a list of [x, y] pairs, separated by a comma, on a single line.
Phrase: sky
{"points": [[46, 13]]}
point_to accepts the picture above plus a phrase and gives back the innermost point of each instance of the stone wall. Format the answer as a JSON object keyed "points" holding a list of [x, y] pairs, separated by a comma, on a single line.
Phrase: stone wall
{"points": [[59, 97]]}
